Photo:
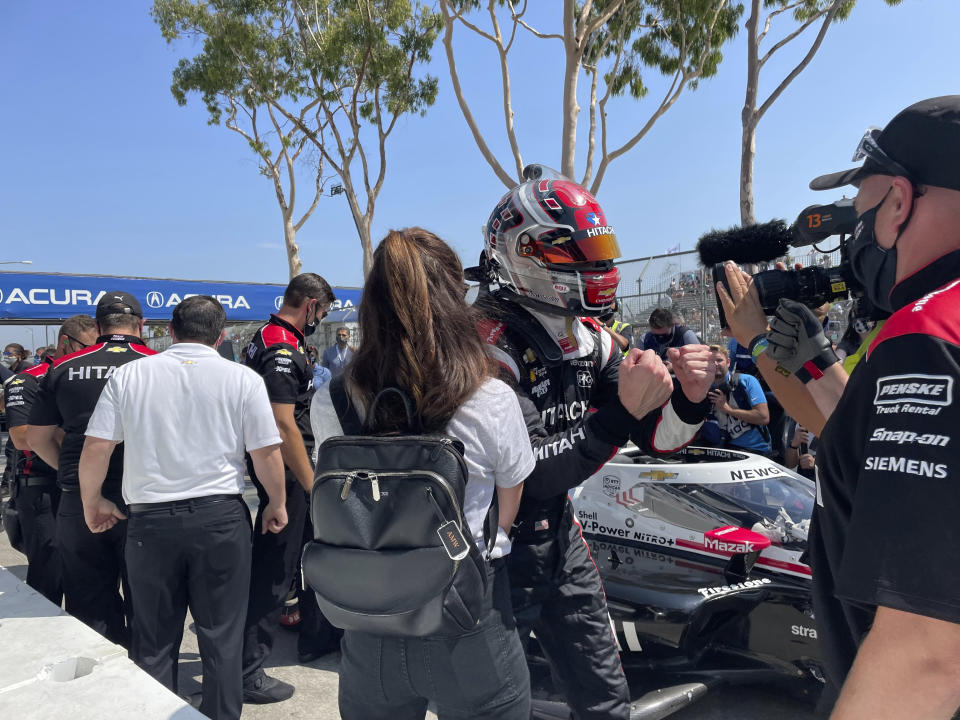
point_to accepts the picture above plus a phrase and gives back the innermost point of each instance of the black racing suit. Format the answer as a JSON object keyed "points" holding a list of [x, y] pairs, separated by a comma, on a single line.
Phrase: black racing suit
{"points": [[92, 564], [576, 424], [884, 529], [278, 353], [35, 489]]}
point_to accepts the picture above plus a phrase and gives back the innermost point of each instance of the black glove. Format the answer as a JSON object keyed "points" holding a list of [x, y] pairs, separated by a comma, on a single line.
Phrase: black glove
{"points": [[797, 342]]}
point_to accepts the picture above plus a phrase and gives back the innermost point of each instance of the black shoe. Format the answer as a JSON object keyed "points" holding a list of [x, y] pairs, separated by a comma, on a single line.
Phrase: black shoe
{"points": [[264, 689]]}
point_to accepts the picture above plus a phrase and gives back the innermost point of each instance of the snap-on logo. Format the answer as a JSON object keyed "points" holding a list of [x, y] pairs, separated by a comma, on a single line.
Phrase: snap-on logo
{"points": [[921, 389]]}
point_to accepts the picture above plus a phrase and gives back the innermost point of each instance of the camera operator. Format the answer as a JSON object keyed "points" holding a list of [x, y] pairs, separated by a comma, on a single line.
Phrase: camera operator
{"points": [[740, 411], [890, 621]]}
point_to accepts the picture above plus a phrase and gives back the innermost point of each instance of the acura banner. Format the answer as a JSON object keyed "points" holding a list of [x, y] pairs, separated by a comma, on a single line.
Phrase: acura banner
{"points": [[52, 296]]}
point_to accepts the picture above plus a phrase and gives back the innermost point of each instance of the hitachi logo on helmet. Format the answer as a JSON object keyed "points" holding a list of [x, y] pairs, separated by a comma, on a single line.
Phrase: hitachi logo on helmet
{"points": [[604, 230]]}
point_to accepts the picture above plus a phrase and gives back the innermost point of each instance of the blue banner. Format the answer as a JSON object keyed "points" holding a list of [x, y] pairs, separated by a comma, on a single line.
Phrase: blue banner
{"points": [[52, 296]]}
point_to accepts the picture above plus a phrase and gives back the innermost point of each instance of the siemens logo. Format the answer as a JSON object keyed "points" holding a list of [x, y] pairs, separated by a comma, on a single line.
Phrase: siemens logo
{"points": [[921, 389], [921, 468]]}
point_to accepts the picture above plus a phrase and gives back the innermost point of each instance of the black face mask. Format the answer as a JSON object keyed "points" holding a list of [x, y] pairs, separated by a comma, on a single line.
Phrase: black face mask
{"points": [[873, 266]]}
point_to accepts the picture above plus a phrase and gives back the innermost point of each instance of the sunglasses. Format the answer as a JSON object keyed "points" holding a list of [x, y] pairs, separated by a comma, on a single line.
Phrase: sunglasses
{"points": [[870, 148], [78, 342]]}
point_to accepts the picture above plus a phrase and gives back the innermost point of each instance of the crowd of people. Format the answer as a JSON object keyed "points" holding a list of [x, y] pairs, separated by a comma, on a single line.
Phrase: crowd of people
{"points": [[130, 464]]}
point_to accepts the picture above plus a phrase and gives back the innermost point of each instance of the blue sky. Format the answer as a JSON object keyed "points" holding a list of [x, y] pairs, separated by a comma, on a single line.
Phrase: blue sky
{"points": [[106, 174]]}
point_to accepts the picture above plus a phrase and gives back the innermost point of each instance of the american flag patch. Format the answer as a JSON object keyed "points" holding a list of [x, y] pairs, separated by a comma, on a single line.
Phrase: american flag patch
{"points": [[541, 525]]}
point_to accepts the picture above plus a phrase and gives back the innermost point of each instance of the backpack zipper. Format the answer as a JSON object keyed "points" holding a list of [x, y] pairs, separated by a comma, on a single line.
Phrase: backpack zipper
{"points": [[375, 485]]}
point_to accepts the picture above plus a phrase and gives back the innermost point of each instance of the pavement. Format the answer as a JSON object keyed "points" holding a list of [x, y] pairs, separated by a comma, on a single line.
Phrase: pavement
{"points": [[316, 682]]}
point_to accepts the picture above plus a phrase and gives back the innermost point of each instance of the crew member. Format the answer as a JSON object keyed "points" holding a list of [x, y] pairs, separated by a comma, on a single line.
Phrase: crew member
{"points": [[188, 540], [37, 494], [563, 366], [665, 333], [620, 331], [278, 353], [92, 565], [881, 543]]}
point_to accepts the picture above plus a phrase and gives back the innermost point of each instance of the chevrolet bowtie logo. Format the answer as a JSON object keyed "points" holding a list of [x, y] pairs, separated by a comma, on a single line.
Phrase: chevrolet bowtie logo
{"points": [[658, 475]]}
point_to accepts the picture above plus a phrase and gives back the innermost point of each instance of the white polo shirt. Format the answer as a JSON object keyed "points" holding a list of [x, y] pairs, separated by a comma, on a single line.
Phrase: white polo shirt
{"points": [[185, 417]]}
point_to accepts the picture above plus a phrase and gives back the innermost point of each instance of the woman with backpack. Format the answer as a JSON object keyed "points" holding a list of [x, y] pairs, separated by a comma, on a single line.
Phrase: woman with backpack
{"points": [[419, 335]]}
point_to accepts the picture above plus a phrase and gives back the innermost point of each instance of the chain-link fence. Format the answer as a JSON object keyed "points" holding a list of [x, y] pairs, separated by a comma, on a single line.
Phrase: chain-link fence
{"points": [[676, 281]]}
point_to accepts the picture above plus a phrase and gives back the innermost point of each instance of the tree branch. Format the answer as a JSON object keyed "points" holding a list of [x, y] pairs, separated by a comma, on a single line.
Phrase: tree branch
{"points": [[789, 38], [448, 20], [831, 13], [771, 16], [505, 89]]}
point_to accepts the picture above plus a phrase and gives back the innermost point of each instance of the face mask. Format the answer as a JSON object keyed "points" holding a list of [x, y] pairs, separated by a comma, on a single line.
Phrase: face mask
{"points": [[875, 267], [311, 327], [9, 361], [664, 338]]}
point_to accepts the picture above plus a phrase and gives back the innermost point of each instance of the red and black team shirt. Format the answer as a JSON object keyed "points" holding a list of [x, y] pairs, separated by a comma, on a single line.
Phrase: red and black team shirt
{"points": [[69, 393], [278, 353], [888, 473], [20, 392]]}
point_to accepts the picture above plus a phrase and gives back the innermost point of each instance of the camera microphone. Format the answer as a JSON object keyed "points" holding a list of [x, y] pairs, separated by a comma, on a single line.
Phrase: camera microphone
{"points": [[761, 242]]}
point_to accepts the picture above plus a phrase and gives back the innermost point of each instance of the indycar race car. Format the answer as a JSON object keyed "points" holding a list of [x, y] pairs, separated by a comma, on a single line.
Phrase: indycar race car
{"points": [[701, 556]]}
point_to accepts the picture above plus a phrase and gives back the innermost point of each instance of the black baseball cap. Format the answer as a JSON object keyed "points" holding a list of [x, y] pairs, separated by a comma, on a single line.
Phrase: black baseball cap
{"points": [[116, 302], [922, 143]]}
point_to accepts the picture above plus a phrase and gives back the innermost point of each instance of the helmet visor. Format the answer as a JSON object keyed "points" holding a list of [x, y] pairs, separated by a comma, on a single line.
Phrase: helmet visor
{"points": [[564, 249]]}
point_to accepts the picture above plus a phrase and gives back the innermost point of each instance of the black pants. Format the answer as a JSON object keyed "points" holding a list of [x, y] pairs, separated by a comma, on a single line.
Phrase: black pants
{"points": [[37, 507], [276, 558], [93, 570], [557, 593], [195, 555], [479, 676]]}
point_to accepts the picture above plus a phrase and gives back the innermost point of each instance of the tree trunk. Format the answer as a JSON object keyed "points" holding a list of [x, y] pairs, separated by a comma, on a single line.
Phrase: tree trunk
{"points": [[571, 73], [293, 250], [748, 117]]}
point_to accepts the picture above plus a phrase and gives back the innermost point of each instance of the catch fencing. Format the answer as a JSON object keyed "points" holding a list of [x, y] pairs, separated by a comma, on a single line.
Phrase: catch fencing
{"points": [[677, 281]]}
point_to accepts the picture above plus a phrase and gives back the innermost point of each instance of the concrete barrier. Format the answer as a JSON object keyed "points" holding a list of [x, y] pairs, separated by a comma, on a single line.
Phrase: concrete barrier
{"points": [[54, 666]]}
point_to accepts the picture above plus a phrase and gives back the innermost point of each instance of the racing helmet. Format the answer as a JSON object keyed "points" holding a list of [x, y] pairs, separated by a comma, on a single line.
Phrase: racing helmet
{"points": [[547, 244]]}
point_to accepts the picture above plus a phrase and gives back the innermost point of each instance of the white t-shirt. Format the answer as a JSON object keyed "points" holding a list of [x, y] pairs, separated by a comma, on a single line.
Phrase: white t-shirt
{"points": [[496, 447], [185, 417]]}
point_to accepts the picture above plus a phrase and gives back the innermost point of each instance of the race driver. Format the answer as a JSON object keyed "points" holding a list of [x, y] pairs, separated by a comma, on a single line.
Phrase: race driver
{"points": [[883, 542], [548, 271]]}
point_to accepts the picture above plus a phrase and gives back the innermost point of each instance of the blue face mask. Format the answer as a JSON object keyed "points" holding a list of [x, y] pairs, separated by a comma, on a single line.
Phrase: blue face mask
{"points": [[873, 266]]}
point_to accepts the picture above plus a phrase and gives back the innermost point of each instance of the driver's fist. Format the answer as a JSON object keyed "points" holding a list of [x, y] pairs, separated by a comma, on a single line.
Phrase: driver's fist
{"points": [[645, 382], [695, 369]]}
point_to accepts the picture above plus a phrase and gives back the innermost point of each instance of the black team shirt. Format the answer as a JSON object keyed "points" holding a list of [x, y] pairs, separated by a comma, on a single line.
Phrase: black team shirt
{"points": [[20, 393], [278, 353], [68, 395], [885, 528]]}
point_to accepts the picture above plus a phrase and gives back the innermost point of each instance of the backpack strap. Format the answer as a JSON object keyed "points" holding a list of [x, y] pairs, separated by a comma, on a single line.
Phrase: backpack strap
{"points": [[346, 412]]}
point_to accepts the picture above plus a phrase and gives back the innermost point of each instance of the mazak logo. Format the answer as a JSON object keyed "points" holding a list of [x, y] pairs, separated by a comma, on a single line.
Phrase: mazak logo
{"points": [[920, 389], [155, 299], [721, 546]]}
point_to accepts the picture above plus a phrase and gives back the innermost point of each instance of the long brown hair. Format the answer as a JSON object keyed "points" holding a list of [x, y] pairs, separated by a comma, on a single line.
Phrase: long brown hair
{"points": [[417, 331]]}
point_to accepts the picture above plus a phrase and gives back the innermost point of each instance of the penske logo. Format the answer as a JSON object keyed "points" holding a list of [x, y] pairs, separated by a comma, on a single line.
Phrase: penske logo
{"points": [[919, 389]]}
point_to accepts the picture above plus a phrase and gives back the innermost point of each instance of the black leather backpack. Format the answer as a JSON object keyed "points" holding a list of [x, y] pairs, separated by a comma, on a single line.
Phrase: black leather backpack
{"points": [[392, 553]]}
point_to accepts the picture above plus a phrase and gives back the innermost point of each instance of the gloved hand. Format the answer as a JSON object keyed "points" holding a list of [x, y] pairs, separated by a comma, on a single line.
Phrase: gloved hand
{"points": [[797, 343]]}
